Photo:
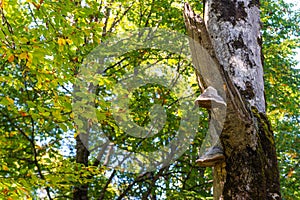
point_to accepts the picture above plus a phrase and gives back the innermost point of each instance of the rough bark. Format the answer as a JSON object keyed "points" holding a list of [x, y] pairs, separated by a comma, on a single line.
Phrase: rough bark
{"points": [[230, 32]]}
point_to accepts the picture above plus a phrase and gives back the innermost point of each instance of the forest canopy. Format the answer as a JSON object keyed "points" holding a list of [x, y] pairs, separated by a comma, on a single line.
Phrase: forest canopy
{"points": [[44, 45]]}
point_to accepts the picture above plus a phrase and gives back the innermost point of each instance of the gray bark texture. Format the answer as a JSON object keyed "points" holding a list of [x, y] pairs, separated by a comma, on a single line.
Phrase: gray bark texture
{"points": [[230, 32]]}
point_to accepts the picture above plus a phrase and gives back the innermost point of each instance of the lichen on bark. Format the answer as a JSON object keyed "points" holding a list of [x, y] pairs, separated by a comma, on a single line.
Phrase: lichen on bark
{"points": [[234, 29]]}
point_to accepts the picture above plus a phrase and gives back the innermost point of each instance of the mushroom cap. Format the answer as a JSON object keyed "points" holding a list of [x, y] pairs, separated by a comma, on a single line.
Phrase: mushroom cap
{"points": [[208, 97], [211, 157]]}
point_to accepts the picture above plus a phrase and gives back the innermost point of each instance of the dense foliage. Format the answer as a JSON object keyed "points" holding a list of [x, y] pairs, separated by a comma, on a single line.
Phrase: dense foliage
{"points": [[43, 44]]}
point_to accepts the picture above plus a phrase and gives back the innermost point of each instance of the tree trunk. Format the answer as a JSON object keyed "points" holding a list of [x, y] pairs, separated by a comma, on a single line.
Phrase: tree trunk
{"points": [[82, 154], [230, 32]]}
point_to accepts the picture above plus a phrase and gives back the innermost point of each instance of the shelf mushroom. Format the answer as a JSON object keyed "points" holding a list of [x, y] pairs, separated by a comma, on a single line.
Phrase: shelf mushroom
{"points": [[208, 98], [211, 157]]}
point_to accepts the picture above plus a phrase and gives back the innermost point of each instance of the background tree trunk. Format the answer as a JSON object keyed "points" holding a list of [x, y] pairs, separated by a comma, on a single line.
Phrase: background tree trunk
{"points": [[82, 155], [230, 32]]}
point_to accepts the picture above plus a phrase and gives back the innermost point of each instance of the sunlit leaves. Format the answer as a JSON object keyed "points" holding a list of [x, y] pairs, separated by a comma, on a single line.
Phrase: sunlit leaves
{"points": [[281, 38], [43, 44]]}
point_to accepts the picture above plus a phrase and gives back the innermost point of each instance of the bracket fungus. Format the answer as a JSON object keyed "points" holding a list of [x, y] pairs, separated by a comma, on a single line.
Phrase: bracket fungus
{"points": [[208, 98]]}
